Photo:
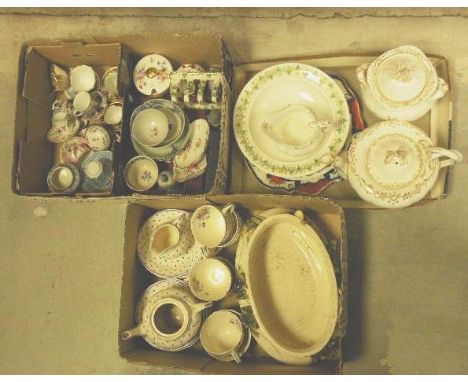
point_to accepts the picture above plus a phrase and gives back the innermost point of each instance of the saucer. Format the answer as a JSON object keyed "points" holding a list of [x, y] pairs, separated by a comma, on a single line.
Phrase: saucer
{"points": [[152, 75], [97, 172], [196, 146], [177, 261], [98, 137], [168, 288]]}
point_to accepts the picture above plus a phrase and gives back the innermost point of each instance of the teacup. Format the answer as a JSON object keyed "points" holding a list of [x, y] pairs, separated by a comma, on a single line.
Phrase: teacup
{"points": [[215, 227], [210, 279], [82, 78], [113, 114], [150, 127], [170, 317], [87, 104], [63, 178], [224, 337], [141, 173]]}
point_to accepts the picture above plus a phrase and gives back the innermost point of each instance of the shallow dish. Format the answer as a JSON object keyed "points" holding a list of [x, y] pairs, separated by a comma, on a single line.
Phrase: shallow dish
{"points": [[275, 89]]}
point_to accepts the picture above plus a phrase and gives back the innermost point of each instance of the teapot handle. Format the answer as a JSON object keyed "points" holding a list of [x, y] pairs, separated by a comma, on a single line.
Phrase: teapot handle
{"points": [[451, 156], [442, 88], [361, 75]]}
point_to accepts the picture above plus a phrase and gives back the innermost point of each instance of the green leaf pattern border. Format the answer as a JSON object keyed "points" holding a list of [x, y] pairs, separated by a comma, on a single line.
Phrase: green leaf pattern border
{"points": [[338, 136]]}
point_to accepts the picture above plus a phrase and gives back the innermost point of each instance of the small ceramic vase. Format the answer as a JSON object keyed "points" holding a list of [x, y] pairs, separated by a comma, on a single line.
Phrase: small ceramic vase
{"points": [[210, 279], [141, 173], [152, 75], [150, 127], [224, 337], [165, 180], [196, 145], [400, 84], [97, 172], [83, 78], [113, 114], [63, 178], [73, 149], [98, 137], [215, 227]]}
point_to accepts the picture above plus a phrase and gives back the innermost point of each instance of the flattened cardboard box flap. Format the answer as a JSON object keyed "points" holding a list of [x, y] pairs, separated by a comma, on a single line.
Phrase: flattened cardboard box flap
{"points": [[326, 214]]}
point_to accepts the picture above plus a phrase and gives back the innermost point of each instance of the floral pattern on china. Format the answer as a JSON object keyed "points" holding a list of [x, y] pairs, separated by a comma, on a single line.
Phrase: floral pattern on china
{"points": [[305, 87], [152, 75], [196, 145]]}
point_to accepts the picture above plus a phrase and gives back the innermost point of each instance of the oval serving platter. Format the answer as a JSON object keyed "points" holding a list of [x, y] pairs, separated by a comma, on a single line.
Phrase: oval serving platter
{"points": [[289, 292]]}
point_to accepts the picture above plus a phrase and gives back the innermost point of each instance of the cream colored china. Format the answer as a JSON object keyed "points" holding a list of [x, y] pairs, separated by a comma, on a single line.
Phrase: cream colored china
{"points": [[289, 293], [63, 178], [295, 128], [152, 75], [113, 114], [150, 127], [291, 92], [168, 316], [167, 236], [165, 180], [401, 84], [97, 136], [224, 337], [59, 78], [82, 78], [196, 146], [393, 164], [178, 133], [141, 173], [110, 83], [89, 105], [194, 171], [210, 279], [213, 226], [63, 129], [178, 260], [73, 149]]}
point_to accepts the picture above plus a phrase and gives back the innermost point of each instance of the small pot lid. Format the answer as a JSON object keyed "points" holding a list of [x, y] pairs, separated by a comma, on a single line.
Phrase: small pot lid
{"points": [[152, 75], [402, 77], [389, 164]]}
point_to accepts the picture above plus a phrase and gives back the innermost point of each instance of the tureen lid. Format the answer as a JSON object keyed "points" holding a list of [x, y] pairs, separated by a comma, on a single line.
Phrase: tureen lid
{"points": [[402, 77], [390, 164]]}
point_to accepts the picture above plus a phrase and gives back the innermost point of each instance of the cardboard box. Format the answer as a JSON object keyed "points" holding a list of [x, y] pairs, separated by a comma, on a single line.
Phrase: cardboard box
{"points": [[437, 124], [328, 216], [34, 155]]}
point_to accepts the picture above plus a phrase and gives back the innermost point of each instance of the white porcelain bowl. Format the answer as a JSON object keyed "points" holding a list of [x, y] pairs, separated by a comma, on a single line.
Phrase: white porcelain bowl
{"points": [[150, 127]]}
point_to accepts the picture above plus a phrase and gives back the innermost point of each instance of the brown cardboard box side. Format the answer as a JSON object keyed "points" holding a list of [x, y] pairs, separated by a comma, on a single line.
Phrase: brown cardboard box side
{"points": [[325, 213]]}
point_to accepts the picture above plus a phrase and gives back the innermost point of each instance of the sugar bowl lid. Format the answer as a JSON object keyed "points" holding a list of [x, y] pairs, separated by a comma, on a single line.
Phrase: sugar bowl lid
{"points": [[390, 164], [402, 77], [152, 75]]}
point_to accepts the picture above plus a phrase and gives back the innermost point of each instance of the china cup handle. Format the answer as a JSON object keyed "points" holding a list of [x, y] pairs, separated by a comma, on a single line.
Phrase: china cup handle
{"points": [[236, 357], [228, 208], [196, 308], [447, 157], [361, 75], [77, 113], [442, 88]]}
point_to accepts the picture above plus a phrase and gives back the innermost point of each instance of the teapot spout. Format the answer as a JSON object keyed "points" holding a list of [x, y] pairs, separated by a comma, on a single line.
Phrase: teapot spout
{"points": [[137, 331]]}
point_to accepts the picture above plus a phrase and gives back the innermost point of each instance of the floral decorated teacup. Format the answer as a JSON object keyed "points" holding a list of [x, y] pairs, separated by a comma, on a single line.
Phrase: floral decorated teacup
{"points": [[141, 173]]}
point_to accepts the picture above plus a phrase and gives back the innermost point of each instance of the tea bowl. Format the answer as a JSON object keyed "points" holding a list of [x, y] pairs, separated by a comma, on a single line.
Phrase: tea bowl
{"points": [[141, 173], [150, 127], [63, 178]]}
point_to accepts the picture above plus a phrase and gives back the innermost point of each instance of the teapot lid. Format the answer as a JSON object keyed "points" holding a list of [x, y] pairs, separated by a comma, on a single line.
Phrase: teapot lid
{"points": [[402, 77]]}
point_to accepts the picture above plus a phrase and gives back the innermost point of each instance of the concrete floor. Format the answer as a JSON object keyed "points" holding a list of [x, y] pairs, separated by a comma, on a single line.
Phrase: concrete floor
{"points": [[60, 273]]}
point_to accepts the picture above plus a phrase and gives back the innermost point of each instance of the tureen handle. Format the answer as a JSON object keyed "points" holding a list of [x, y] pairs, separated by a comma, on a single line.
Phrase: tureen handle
{"points": [[361, 75], [442, 88], [447, 157]]}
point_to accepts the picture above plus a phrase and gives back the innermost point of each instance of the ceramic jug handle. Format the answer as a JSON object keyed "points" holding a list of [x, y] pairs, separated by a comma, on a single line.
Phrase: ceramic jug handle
{"points": [[196, 308], [137, 331], [442, 88], [361, 75], [228, 208], [451, 156]]}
